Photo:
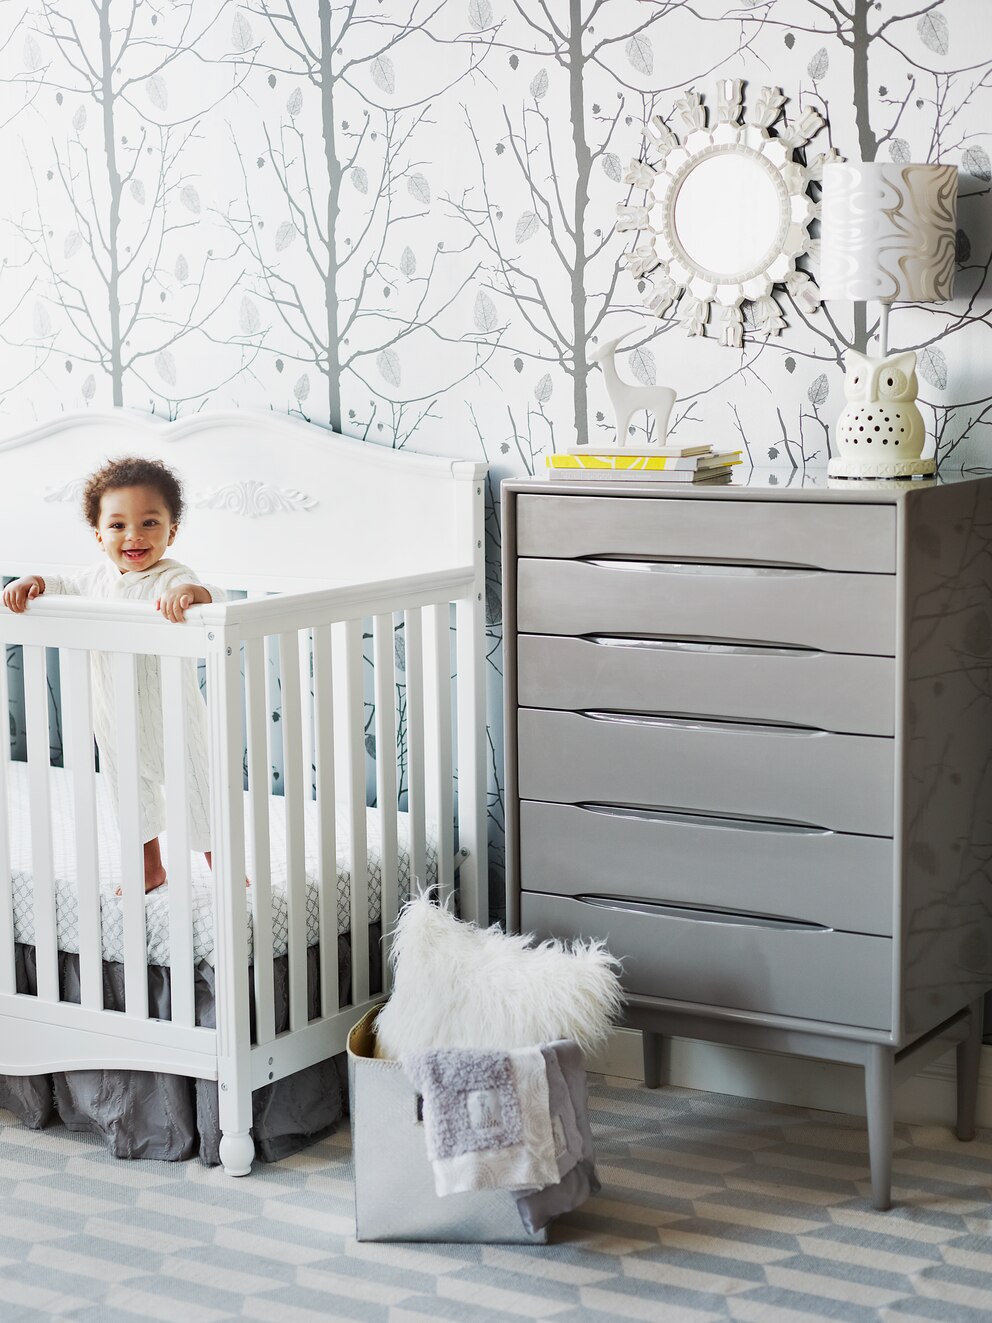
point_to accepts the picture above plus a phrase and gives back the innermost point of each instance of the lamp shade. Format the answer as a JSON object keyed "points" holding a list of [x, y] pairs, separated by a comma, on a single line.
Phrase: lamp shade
{"points": [[888, 232]]}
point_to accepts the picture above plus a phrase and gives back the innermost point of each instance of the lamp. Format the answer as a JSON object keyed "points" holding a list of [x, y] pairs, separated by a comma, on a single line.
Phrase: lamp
{"points": [[887, 233]]}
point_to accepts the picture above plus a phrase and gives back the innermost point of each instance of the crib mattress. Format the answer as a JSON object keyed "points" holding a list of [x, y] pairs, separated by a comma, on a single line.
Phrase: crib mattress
{"points": [[157, 902]]}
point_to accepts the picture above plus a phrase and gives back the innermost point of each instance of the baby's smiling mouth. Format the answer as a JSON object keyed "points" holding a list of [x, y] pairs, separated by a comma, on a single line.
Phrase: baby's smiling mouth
{"points": [[136, 553]]}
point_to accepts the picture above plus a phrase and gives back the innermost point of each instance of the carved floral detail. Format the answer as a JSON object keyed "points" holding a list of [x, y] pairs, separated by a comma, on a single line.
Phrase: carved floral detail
{"points": [[69, 492], [253, 499]]}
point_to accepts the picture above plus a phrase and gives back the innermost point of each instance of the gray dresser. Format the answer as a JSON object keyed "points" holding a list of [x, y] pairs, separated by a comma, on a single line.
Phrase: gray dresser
{"points": [[749, 743]]}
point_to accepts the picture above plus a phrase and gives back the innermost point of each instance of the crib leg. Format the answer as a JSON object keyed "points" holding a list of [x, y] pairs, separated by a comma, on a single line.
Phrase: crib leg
{"points": [[237, 1148], [237, 1151]]}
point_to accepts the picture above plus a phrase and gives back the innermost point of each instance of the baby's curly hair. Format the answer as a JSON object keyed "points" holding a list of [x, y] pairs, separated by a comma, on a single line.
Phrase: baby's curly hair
{"points": [[132, 471]]}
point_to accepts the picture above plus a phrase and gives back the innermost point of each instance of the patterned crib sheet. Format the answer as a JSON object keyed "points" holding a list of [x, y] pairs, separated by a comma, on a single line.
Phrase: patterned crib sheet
{"points": [[157, 902]]}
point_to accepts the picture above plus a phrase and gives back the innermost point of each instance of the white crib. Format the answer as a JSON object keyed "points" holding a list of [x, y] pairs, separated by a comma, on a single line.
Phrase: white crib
{"points": [[355, 539]]}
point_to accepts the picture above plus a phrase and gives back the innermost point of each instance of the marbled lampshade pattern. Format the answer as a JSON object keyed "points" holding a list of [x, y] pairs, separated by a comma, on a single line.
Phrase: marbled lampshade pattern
{"points": [[888, 232]]}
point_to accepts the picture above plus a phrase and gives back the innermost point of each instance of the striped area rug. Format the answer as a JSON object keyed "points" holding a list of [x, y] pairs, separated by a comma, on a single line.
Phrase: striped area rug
{"points": [[712, 1208]]}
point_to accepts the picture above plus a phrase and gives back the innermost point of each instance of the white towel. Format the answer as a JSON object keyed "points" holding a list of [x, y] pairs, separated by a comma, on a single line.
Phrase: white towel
{"points": [[529, 1165]]}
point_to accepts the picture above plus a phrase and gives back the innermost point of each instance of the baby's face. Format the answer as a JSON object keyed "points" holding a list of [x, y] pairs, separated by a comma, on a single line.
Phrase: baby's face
{"points": [[135, 527]]}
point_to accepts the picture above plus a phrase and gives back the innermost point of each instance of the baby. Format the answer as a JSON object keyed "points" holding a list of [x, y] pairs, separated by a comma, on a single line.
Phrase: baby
{"points": [[134, 505]]}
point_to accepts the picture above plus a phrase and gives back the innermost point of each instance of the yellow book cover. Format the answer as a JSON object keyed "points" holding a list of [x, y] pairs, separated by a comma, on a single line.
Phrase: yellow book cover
{"points": [[637, 462]]}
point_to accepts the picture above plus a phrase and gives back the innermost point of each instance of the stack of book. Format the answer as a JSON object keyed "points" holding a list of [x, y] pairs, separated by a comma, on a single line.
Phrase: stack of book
{"points": [[653, 464]]}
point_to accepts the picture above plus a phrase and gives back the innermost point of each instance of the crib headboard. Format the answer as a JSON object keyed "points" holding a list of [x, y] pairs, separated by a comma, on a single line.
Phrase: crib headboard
{"points": [[274, 503]]}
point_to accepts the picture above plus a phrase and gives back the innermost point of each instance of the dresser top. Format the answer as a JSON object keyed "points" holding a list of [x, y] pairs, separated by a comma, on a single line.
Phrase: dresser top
{"points": [[810, 484]]}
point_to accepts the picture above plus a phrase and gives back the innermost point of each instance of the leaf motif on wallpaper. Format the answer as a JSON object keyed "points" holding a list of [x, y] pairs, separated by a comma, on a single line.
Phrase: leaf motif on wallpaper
{"points": [[165, 366], [241, 33], [643, 367], [158, 93], [934, 32], [285, 235], [73, 243], [388, 363], [612, 166], [138, 191], [408, 262], [89, 387], [975, 161], [79, 119], [383, 74], [818, 65], [480, 14], [962, 247], [294, 102], [32, 53], [640, 53], [932, 366], [249, 319], [399, 651], [819, 390], [527, 226], [302, 388], [484, 313], [190, 199], [41, 321], [899, 151], [359, 178], [181, 269], [539, 84], [420, 188], [544, 389]]}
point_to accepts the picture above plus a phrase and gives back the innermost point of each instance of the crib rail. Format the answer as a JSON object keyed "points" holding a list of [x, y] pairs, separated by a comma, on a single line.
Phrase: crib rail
{"points": [[333, 656]]}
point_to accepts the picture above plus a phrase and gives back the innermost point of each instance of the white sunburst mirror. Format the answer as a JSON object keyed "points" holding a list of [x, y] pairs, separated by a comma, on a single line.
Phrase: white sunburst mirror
{"points": [[726, 213]]}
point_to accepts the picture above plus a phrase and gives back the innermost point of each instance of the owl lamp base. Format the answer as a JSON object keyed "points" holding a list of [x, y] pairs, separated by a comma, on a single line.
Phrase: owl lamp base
{"points": [[880, 434]]}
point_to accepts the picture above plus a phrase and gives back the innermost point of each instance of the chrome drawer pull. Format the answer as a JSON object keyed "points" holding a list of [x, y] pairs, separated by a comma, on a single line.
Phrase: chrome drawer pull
{"points": [[712, 569], [711, 821], [683, 645], [697, 914], [675, 723]]}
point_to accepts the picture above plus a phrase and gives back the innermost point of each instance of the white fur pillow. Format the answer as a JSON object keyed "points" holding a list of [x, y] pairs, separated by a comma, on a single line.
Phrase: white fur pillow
{"points": [[457, 985]]}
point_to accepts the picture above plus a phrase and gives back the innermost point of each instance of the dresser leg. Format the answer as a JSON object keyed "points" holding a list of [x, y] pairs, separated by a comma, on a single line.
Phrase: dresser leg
{"points": [[969, 1053], [653, 1046], [879, 1069]]}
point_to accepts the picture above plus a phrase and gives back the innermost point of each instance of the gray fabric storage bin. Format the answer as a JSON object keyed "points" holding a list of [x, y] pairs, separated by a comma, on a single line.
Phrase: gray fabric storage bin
{"points": [[394, 1181]]}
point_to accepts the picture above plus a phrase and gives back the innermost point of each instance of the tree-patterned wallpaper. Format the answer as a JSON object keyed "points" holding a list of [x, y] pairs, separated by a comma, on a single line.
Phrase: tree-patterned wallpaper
{"points": [[396, 217]]}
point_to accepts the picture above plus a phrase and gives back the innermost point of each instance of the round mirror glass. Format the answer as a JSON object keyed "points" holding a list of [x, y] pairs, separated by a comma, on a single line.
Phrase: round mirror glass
{"points": [[728, 215]]}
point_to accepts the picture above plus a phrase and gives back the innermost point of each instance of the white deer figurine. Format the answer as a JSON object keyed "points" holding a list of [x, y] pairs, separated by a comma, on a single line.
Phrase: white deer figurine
{"points": [[628, 399]]}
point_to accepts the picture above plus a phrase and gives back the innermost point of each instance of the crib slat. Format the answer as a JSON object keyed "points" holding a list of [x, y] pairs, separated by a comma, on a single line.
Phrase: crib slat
{"points": [[177, 828], [470, 667], [132, 854], [77, 723], [384, 643], [439, 740], [416, 804], [306, 713], [259, 783], [327, 868], [296, 878], [7, 983], [42, 862], [352, 781]]}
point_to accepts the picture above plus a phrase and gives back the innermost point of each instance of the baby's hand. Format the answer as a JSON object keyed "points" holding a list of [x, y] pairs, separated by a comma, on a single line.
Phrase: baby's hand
{"points": [[174, 602], [17, 594]]}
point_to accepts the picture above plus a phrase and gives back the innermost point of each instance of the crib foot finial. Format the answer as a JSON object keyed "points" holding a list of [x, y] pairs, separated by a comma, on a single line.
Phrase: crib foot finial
{"points": [[237, 1151]]}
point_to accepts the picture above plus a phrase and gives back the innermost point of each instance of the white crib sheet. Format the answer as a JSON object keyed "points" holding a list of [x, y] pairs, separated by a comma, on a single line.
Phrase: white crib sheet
{"points": [[157, 902]]}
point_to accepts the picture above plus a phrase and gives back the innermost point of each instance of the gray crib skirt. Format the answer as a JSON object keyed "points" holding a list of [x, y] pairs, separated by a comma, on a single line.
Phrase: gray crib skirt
{"points": [[144, 1114]]}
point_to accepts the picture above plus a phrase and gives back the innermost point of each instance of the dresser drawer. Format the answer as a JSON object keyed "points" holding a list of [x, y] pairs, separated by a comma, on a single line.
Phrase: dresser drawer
{"points": [[834, 691], [825, 536], [757, 868], [804, 608], [842, 782], [727, 961]]}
